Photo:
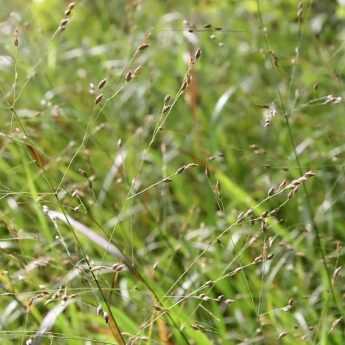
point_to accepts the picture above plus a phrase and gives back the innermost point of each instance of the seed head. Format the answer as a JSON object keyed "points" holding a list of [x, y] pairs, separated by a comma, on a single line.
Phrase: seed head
{"points": [[236, 270], [64, 22], [71, 5], [99, 310], [137, 70], [229, 301], [101, 84], [197, 54], [282, 335], [167, 99], [143, 46], [129, 76], [309, 174], [336, 273], [118, 267], [190, 165], [271, 191], [335, 324], [240, 217], [98, 98], [204, 297], [282, 185], [180, 170], [16, 39], [220, 298]]}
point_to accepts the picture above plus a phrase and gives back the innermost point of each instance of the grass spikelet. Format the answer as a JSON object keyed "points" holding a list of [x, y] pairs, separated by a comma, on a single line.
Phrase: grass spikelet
{"points": [[101, 84], [98, 99]]}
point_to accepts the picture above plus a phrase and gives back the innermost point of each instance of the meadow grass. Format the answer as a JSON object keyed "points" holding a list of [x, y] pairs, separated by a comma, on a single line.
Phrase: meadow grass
{"points": [[171, 172]]}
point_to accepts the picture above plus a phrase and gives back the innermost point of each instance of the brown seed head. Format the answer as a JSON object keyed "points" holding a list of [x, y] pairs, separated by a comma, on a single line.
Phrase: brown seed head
{"points": [[16, 39], [71, 5], [129, 76], [197, 54], [99, 310], [98, 98], [64, 22], [143, 46], [101, 84]]}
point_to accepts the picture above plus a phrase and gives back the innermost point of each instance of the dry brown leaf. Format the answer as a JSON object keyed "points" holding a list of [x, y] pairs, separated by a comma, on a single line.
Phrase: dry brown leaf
{"points": [[163, 332], [37, 156]]}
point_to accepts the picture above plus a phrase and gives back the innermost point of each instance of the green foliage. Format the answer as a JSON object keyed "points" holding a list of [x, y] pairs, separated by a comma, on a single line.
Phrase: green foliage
{"points": [[212, 216]]}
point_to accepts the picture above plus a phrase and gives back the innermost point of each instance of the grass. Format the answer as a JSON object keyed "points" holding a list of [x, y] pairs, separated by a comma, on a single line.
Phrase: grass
{"points": [[171, 172]]}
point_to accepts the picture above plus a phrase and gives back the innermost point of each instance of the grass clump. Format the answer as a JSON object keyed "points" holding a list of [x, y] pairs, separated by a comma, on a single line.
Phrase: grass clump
{"points": [[171, 172]]}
